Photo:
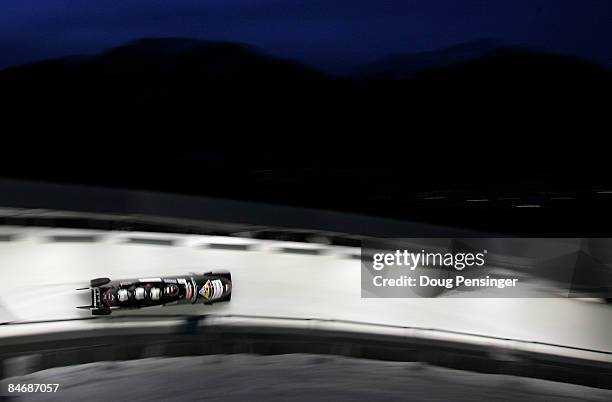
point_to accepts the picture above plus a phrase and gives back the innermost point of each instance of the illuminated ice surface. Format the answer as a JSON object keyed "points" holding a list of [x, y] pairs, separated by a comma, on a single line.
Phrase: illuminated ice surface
{"points": [[40, 275]]}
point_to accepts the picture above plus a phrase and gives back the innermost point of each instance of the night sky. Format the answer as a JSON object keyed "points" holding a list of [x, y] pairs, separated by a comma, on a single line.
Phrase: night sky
{"points": [[331, 34]]}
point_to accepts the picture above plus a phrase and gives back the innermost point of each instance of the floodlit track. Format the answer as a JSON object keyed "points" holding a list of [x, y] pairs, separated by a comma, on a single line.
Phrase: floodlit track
{"points": [[40, 269]]}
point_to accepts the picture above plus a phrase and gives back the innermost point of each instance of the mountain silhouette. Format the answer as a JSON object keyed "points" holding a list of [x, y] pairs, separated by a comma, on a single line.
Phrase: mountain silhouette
{"points": [[158, 113], [153, 67], [399, 66], [184, 70]]}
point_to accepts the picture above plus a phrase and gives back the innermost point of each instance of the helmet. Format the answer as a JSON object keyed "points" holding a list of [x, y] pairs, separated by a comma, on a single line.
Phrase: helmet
{"points": [[172, 290], [139, 293], [122, 294]]}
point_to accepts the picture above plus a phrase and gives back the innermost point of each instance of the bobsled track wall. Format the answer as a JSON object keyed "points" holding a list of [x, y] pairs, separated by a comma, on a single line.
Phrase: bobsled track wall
{"points": [[289, 296], [78, 342]]}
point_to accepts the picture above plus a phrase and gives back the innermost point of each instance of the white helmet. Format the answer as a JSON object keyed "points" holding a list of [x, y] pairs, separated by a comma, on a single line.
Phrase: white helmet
{"points": [[172, 290], [155, 293], [139, 293], [122, 295]]}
